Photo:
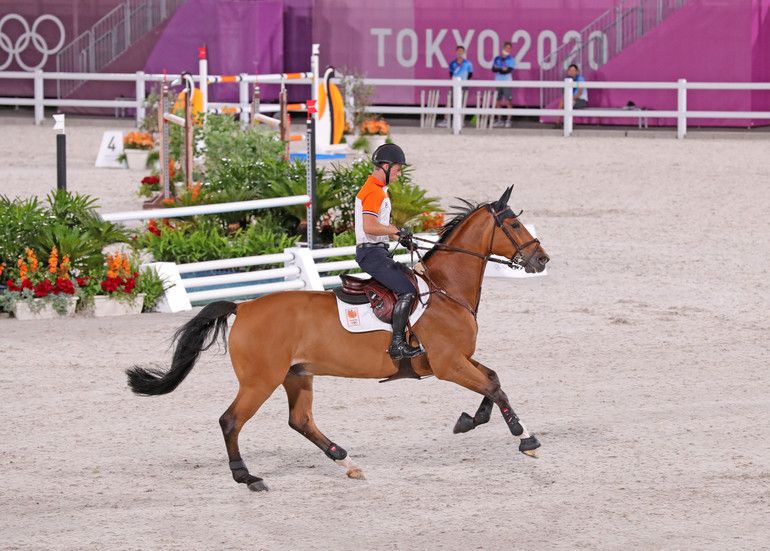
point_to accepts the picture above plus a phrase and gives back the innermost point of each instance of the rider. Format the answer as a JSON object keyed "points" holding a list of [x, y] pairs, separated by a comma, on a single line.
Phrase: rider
{"points": [[373, 228]]}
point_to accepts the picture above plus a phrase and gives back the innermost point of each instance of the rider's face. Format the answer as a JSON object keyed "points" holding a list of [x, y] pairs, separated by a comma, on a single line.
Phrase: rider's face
{"points": [[395, 172]]}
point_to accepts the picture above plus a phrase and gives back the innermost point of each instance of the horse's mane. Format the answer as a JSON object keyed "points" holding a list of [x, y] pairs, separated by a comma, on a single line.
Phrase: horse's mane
{"points": [[461, 213]]}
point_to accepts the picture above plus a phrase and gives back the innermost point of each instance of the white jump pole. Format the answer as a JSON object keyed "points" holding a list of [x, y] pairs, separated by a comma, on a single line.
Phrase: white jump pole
{"points": [[203, 72]]}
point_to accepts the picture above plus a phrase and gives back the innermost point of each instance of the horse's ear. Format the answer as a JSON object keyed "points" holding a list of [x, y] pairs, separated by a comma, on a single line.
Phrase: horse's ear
{"points": [[502, 203]]}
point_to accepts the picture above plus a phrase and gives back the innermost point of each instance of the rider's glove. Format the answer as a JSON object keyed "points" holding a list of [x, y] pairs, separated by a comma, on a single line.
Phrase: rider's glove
{"points": [[405, 239]]}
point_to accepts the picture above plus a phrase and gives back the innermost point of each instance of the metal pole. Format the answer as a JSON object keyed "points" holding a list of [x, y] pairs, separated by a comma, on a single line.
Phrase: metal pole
{"points": [[61, 161], [284, 128], [310, 164], [254, 104], [188, 135], [203, 76], [163, 126]]}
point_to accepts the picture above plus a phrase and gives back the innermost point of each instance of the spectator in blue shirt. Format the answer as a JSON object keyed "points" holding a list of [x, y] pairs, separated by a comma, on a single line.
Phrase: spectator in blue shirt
{"points": [[579, 95], [503, 66], [459, 68]]}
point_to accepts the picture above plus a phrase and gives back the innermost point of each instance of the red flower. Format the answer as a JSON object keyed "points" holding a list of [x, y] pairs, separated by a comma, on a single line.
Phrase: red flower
{"points": [[44, 288], [65, 286]]}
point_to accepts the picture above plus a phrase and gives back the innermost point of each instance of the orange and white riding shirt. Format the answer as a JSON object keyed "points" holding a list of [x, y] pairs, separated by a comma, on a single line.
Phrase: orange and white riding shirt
{"points": [[372, 199]]}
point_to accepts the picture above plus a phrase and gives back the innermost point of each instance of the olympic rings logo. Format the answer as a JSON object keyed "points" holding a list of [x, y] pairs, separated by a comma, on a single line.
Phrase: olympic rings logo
{"points": [[27, 37]]}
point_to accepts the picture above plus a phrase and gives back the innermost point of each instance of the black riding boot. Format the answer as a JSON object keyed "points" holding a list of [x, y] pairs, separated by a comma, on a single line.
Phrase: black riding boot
{"points": [[399, 348]]}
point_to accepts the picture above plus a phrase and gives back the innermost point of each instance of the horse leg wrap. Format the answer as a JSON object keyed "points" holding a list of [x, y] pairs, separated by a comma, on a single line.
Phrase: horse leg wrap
{"points": [[513, 422], [335, 452], [237, 465]]}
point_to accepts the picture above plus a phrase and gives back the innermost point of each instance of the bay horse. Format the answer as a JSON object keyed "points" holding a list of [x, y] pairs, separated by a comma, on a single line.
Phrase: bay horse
{"points": [[288, 338]]}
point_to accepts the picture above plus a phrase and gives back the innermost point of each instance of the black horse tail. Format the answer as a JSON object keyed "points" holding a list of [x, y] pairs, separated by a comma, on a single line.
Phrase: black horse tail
{"points": [[191, 339]]}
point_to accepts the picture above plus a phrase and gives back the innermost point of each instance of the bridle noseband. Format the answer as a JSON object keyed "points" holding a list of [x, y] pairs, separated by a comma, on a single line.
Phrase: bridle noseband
{"points": [[499, 217]]}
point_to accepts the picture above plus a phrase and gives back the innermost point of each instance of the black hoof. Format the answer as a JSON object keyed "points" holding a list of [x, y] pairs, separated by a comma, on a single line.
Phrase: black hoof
{"points": [[258, 486], [528, 444], [464, 424]]}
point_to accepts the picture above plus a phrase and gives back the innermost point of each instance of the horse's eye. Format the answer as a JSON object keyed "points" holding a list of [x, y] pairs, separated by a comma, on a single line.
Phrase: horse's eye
{"points": [[515, 225]]}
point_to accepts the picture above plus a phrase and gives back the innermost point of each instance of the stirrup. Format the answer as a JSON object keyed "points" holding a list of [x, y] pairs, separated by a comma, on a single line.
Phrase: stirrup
{"points": [[404, 350]]}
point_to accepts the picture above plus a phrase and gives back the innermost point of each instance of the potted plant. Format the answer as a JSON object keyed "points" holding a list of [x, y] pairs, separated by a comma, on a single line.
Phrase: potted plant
{"points": [[376, 132], [113, 290], [137, 146], [40, 294]]}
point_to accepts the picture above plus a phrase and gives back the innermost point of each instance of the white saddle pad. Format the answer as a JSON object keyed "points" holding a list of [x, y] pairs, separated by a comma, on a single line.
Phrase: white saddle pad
{"points": [[360, 318]]}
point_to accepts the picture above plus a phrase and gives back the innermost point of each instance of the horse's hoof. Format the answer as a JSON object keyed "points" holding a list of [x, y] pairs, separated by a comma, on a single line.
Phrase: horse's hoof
{"points": [[258, 486], [464, 424], [358, 474], [528, 446]]}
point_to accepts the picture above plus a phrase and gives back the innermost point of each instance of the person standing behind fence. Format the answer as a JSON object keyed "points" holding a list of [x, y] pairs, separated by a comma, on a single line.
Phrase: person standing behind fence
{"points": [[459, 68], [503, 66], [579, 94]]}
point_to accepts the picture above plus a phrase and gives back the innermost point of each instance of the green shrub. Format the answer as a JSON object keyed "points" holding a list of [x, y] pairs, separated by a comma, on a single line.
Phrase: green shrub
{"points": [[68, 222]]}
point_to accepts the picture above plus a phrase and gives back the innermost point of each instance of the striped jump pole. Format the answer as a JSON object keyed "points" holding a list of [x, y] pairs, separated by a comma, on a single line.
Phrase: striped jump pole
{"points": [[310, 165]]}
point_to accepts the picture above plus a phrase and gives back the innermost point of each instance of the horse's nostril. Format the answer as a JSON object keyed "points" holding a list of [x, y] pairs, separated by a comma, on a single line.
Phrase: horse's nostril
{"points": [[544, 260]]}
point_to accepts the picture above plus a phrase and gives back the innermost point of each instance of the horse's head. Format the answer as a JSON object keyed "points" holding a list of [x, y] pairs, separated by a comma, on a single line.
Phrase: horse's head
{"points": [[512, 240]]}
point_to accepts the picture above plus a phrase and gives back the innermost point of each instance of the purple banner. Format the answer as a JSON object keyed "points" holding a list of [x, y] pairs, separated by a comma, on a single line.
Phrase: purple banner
{"points": [[240, 37]]}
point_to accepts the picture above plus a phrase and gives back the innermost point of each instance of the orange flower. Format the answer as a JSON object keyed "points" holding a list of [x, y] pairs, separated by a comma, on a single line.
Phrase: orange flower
{"points": [[53, 260], [137, 140], [32, 260], [22, 269], [2, 268], [372, 127], [64, 267]]}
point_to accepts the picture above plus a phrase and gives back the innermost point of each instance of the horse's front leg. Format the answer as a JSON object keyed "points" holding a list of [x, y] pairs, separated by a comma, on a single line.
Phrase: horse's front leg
{"points": [[479, 378], [466, 422]]}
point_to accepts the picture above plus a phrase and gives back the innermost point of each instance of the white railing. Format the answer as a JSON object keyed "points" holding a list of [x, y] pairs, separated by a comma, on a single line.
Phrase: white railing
{"points": [[681, 87], [140, 78], [213, 208]]}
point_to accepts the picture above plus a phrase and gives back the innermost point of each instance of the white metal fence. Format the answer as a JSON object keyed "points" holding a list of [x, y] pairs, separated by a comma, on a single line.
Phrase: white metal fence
{"points": [[681, 88]]}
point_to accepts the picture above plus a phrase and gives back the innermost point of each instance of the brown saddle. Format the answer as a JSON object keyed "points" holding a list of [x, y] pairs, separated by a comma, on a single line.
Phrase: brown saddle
{"points": [[356, 290]]}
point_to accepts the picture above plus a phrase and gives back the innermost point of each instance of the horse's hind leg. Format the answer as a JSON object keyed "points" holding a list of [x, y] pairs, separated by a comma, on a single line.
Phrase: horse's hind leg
{"points": [[299, 390], [474, 376], [243, 408]]}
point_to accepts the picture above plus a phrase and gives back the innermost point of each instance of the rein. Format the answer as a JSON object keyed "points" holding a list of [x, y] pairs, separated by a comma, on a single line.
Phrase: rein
{"points": [[485, 257]]}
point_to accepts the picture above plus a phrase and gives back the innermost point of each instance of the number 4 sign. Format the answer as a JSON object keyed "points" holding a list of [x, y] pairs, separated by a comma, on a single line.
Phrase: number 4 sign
{"points": [[110, 150]]}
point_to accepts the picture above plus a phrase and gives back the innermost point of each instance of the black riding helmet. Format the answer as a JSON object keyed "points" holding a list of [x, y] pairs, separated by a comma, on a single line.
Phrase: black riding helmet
{"points": [[389, 154]]}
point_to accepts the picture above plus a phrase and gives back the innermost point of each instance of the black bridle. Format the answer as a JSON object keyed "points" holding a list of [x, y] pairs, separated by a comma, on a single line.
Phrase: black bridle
{"points": [[517, 259], [499, 217]]}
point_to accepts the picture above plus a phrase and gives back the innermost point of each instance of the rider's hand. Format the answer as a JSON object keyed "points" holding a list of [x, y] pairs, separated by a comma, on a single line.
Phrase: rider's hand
{"points": [[405, 239]]}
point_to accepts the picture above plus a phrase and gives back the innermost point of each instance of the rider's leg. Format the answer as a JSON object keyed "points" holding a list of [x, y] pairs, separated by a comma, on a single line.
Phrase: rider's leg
{"points": [[399, 347], [376, 262]]}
